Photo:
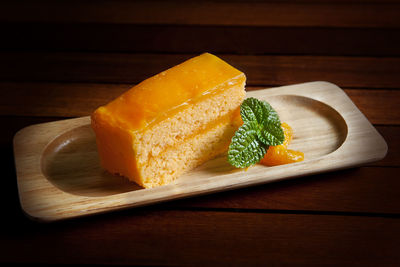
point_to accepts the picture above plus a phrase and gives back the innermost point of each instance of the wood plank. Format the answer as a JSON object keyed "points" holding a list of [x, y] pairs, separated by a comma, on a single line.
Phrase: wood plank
{"points": [[197, 39], [377, 105], [359, 190], [80, 99], [56, 99], [360, 72], [391, 135], [206, 13], [206, 238]]}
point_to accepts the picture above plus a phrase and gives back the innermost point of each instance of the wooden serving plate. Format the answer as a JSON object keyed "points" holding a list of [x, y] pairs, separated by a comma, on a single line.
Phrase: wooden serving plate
{"points": [[59, 175]]}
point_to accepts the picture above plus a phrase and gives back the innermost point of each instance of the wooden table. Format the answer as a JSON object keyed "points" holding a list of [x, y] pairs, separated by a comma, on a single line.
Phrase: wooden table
{"points": [[62, 60]]}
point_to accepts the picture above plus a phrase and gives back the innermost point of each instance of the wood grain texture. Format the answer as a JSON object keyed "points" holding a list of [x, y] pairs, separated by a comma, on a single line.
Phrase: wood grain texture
{"points": [[370, 72], [158, 237], [391, 133], [179, 39], [80, 99], [376, 103], [365, 191], [206, 13], [59, 174]]}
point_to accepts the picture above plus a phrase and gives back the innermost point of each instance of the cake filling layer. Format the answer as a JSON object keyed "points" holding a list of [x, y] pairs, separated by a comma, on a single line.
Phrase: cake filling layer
{"points": [[232, 118], [196, 150]]}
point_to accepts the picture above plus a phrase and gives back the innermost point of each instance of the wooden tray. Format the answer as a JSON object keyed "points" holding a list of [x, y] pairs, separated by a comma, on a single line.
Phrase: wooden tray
{"points": [[59, 175]]}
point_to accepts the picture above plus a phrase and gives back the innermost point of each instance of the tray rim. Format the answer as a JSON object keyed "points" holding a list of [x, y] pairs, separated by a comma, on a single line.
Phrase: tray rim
{"points": [[89, 204]]}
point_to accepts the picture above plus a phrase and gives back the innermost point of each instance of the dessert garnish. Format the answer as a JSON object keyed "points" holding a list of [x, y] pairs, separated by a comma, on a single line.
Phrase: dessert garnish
{"points": [[261, 137]]}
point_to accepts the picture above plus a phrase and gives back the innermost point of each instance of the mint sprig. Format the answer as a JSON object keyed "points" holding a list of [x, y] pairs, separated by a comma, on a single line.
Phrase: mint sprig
{"points": [[245, 148], [261, 128]]}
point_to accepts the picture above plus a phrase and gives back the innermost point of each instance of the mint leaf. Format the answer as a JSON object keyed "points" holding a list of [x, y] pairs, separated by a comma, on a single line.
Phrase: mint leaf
{"points": [[245, 148], [252, 110], [268, 126], [271, 134], [261, 129], [269, 113]]}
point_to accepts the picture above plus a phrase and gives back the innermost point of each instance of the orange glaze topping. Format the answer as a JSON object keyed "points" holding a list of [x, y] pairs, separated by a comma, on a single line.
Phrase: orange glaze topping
{"points": [[155, 97]]}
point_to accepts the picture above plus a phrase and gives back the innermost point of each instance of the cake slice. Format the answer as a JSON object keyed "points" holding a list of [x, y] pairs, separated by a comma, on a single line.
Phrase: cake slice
{"points": [[171, 122]]}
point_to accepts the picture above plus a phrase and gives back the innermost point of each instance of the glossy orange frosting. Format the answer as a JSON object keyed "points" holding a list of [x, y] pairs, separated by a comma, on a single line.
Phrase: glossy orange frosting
{"points": [[155, 97]]}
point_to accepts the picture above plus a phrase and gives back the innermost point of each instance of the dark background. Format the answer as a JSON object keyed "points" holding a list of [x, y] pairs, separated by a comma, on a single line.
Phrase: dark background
{"points": [[62, 59]]}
